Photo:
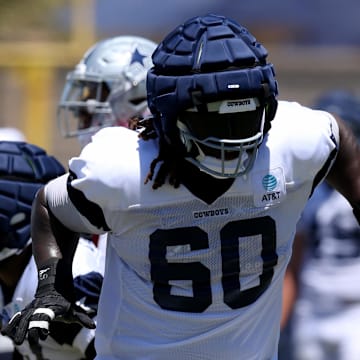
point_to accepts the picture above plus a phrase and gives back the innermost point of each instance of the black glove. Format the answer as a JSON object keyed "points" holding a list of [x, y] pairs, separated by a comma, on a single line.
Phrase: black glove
{"points": [[48, 305]]}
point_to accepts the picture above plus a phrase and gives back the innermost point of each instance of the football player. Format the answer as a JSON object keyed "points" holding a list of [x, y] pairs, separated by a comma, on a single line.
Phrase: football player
{"points": [[24, 168], [198, 252], [106, 88], [325, 321]]}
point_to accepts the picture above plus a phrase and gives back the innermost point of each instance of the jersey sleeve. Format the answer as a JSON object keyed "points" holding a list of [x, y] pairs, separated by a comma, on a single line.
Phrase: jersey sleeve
{"points": [[321, 147], [311, 140], [107, 172], [329, 151], [103, 178], [60, 204], [107, 178]]}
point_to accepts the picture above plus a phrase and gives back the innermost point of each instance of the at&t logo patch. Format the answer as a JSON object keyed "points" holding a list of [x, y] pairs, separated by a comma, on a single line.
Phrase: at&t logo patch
{"points": [[269, 187]]}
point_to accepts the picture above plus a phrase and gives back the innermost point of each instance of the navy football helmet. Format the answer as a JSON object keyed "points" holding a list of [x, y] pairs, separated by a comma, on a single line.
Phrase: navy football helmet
{"points": [[106, 88], [344, 104], [212, 94], [24, 168]]}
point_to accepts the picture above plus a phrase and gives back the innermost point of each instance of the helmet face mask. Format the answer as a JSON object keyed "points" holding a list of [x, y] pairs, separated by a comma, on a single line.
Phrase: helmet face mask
{"points": [[230, 135], [107, 87], [83, 107]]}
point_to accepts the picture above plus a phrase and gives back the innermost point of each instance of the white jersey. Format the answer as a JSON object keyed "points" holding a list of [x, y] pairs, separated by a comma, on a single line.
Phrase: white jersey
{"points": [[60, 345], [183, 278]]}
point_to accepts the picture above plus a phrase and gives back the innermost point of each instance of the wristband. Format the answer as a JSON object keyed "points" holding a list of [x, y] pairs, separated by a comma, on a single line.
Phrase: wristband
{"points": [[47, 273], [56, 274], [46, 277]]}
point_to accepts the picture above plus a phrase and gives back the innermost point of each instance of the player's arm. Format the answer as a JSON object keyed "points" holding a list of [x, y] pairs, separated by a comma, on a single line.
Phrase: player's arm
{"points": [[56, 221], [55, 226], [344, 175], [51, 240]]}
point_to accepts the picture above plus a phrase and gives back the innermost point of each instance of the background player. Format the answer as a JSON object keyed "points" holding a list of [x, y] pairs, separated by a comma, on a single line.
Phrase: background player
{"points": [[106, 88], [24, 168], [327, 313]]}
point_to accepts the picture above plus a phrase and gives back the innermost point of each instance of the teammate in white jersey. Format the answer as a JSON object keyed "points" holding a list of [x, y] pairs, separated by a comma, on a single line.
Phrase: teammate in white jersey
{"points": [[197, 253], [24, 168], [327, 314], [106, 88]]}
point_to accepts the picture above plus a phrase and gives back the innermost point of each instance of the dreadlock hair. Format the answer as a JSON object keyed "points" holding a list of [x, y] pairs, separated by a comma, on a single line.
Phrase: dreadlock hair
{"points": [[168, 155]]}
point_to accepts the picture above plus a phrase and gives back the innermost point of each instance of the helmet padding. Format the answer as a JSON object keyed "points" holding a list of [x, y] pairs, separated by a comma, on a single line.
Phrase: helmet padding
{"points": [[24, 168]]}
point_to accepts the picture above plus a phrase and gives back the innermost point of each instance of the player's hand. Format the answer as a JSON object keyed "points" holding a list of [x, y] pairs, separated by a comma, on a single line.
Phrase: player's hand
{"points": [[48, 305], [36, 317]]}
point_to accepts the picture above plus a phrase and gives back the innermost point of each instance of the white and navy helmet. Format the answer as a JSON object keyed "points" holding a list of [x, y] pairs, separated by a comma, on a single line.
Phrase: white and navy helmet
{"points": [[107, 87], [24, 168], [212, 93]]}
